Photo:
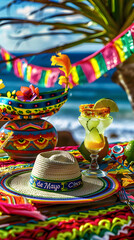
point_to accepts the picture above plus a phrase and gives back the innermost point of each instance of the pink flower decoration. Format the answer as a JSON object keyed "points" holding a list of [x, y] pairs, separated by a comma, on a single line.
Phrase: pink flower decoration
{"points": [[27, 93]]}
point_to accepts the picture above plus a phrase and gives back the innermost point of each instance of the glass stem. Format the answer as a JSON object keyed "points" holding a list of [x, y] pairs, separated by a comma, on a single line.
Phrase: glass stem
{"points": [[94, 164]]}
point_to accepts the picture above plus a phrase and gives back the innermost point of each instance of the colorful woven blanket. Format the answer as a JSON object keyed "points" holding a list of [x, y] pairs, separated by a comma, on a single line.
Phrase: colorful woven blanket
{"points": [[112, 222], [108, 220]]}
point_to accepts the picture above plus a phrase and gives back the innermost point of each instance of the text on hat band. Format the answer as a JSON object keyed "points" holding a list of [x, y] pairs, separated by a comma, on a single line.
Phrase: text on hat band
{"points": [[56, 186]]}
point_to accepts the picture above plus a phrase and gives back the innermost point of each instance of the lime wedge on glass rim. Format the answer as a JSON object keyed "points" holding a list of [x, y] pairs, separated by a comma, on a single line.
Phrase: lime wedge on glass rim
{"points": [[106, 102]]}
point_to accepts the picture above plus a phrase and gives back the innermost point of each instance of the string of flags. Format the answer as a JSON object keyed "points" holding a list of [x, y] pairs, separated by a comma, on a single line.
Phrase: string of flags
{"points": [[86, 70]]}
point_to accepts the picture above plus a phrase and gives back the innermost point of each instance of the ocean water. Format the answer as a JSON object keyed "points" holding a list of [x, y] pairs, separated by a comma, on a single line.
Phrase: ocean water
{"points": [[122, 128]]}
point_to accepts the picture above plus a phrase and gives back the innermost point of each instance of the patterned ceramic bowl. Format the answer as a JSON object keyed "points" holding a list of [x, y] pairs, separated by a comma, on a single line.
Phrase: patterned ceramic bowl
{"points": [[49, 104]]}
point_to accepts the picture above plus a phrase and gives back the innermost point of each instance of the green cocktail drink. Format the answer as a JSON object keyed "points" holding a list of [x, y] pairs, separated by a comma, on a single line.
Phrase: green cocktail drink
{"points": [[95, 121]]}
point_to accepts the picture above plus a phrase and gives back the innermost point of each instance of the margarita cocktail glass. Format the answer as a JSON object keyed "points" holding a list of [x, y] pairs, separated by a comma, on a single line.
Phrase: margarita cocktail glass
{"points": [[95, 121]]}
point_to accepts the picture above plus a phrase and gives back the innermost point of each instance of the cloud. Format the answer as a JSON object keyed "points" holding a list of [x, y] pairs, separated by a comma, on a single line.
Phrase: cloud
{"points": [[25, 11], [38, 43], [68, 19], [6, 27], [4, 40], [75, 19], [50, 10]]}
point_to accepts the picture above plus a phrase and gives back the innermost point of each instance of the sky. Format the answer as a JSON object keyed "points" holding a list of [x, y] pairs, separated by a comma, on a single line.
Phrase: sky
{"points": [[7, 32]]}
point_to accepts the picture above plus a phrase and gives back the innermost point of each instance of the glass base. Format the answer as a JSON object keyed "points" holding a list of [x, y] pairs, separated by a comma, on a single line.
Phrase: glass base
{"points": [[94, 173]]}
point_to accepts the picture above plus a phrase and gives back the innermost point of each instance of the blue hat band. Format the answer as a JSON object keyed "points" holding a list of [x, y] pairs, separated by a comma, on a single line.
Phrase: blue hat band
{"points": [[56, 186]]}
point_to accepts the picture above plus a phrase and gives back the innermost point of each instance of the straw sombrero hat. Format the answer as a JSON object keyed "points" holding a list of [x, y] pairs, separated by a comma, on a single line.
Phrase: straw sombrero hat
{"points": [[56, 177]]}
